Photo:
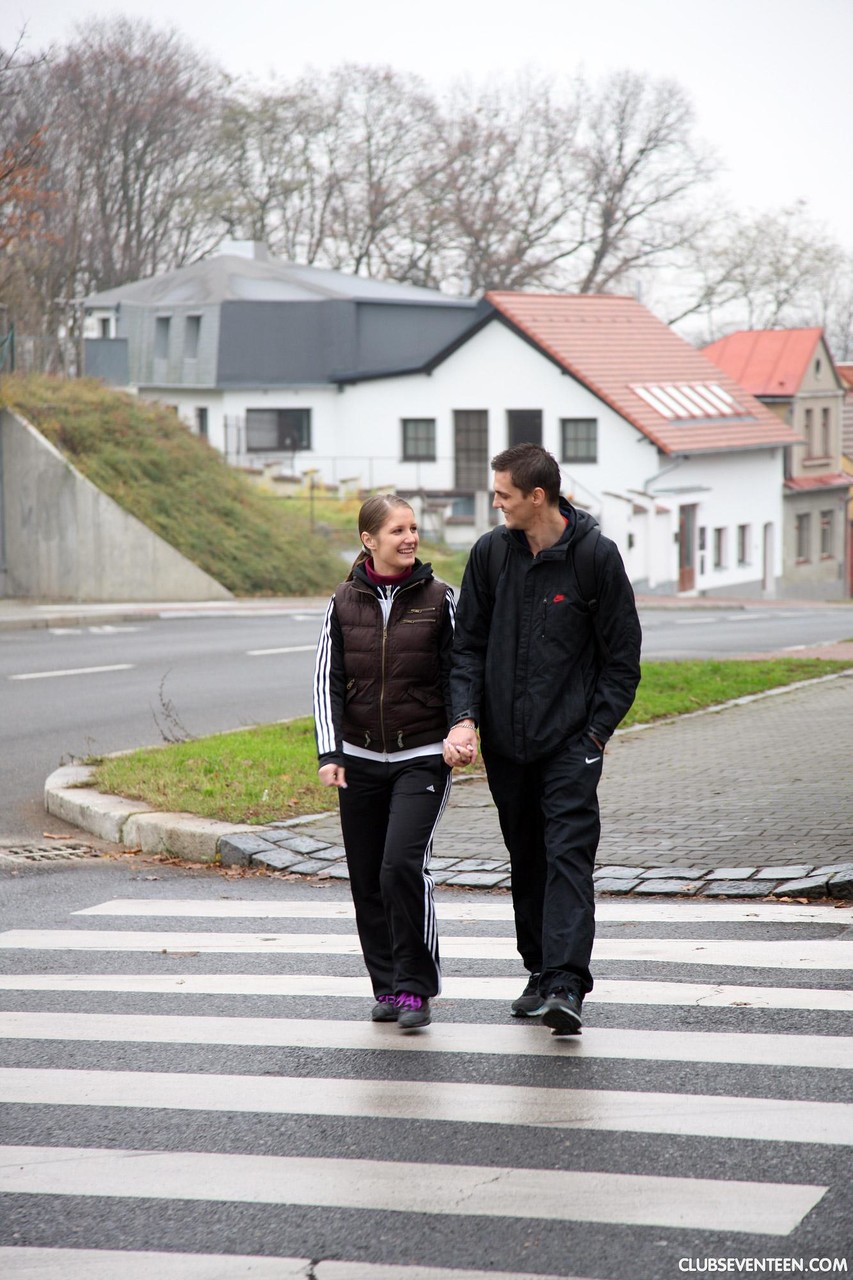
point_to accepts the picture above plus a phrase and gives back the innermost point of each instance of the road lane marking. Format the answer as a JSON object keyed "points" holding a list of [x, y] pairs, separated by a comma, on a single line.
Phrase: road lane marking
{"points": [[718, 952], [73, 671], [607, 991], [523, 1039], [699, 1204], [105, 1264], [295, 648], [605, 912], [751, 1119]]}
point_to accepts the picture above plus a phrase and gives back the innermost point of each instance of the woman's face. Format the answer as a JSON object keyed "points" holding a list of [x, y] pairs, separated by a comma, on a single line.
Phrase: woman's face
{"points": [[395, 545]]}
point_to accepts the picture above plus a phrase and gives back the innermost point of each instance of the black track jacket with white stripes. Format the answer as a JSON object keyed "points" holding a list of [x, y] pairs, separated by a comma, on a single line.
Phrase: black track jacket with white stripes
{"points": [[382, 672]]}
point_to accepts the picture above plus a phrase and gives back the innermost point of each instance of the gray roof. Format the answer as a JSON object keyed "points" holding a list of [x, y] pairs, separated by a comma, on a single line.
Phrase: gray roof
{"points": [[231, 277]]}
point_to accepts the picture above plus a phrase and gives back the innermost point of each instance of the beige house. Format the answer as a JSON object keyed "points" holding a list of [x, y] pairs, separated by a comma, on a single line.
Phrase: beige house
{"points": [[792, 372]]}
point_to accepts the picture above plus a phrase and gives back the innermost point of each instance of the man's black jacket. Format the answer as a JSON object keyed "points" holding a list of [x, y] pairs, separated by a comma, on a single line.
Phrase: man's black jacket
{"points": [[527, 666]]}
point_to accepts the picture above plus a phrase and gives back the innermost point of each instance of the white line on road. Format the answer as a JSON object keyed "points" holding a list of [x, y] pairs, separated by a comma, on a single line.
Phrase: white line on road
{"points": [[719, 952], [334, 986], [524, 1039], [296, 648], [604, 1110], [73, 671], [701, 1204], [605, 912], [105, 1264]]}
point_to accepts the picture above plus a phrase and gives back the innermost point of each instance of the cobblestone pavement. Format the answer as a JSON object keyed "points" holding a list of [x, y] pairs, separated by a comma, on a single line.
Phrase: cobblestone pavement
{"points": [[753, 799]]}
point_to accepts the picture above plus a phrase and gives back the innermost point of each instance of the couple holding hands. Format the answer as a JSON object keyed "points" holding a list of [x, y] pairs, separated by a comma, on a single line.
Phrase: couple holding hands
{"points": [[404, 680]]}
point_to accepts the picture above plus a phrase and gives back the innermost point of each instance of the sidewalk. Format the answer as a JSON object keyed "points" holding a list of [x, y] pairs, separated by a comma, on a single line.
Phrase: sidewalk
{"points": [[752, 800]]}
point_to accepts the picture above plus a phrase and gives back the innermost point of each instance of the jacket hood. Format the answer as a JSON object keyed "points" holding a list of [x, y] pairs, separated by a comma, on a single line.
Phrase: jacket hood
{"points": [[579, 524]]}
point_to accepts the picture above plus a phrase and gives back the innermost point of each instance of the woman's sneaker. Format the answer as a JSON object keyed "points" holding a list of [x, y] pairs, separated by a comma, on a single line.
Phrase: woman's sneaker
{"points": [[412, 1011], [529, 1004], [563, 1012], [385, 1009]]}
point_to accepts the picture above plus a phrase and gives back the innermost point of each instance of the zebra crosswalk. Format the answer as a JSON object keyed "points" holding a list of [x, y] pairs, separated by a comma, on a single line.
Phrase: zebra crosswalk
{"points": [[209, 1101]]}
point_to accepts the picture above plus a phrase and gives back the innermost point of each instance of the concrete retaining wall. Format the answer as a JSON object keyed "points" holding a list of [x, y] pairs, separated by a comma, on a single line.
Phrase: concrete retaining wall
{"points": [[64, 539]]}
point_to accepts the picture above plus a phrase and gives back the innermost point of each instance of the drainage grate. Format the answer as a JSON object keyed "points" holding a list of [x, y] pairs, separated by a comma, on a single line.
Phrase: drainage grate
{"points": [[46, 852]]}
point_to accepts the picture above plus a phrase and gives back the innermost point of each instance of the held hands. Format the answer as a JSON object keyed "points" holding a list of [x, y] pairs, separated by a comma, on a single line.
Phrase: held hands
{"points": [[460, 745], [333, 775]]}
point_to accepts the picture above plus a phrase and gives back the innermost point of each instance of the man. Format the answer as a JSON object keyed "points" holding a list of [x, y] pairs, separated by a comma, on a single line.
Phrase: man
{"points": [[545, 672]]}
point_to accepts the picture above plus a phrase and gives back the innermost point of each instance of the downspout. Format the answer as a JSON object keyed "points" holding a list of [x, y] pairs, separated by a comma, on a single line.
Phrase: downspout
{"points": [[664, 472]]}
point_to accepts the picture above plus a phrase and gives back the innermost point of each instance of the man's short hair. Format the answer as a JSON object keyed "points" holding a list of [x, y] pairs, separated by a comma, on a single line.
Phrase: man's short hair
{"points": [[530, 467]]}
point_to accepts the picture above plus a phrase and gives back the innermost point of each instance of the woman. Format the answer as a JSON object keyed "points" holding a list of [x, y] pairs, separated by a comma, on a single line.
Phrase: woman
{"points": [[381, 697]]}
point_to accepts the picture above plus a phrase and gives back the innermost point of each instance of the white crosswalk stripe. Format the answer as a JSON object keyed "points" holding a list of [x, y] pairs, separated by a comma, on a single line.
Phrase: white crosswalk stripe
{"points": [[474, 1074], [696, 951]]}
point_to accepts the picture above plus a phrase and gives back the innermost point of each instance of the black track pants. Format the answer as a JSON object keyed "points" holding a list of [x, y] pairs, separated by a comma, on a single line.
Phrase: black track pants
{"points": [[549, 818], [389, 813]]}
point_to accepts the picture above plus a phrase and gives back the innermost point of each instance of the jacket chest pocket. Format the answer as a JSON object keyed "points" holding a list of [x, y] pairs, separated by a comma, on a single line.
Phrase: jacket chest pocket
{"points": [[414, 617]]}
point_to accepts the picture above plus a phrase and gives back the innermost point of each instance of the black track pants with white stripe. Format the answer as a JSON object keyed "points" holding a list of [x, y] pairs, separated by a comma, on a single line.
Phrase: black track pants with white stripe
{"points": [[389, 812]]}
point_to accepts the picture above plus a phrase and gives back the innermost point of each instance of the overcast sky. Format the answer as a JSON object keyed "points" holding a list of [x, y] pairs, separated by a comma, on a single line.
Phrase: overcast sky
{"points": [[771, 80]]}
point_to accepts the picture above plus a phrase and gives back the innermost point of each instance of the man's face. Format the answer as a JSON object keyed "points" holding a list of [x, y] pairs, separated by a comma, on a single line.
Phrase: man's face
{"points": [[518, 508]]}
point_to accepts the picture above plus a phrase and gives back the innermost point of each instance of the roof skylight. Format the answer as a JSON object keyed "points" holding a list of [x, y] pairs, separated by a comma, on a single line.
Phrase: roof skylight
{"points": [[688, 400]]}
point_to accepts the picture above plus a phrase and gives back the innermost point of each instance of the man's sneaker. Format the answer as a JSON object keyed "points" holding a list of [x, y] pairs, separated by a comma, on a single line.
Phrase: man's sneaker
{"points": [[529, 1004], [385, 1009], [562, 1012], [412, 1011]]}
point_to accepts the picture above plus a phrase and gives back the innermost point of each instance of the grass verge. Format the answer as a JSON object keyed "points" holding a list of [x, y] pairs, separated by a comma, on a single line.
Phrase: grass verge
{"points": [[270, 772]]}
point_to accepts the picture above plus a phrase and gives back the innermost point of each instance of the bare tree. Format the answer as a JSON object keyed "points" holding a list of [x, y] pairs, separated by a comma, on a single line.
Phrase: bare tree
{"points": [[762, 271], [512, 196], [640, 171], [21, 171]]}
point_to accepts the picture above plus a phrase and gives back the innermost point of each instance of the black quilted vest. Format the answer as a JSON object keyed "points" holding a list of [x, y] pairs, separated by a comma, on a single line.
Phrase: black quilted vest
{"points": [[395, 697]]}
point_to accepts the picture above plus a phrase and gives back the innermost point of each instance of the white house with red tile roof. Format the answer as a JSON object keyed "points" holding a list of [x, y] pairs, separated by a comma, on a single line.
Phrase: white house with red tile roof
{"points": [[383, 386], [680, 465], [792, 372]]}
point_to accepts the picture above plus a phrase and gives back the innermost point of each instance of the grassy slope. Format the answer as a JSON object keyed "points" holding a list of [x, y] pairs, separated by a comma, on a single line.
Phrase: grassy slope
{"points": [[177, 485]]}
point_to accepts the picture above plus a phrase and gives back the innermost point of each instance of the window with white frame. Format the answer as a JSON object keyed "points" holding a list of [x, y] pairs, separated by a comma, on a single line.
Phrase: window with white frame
{"points": [[418, 439], [827, 533], [579, 439], [720, 556], [278, 430], [804, 536], [743, 543]]}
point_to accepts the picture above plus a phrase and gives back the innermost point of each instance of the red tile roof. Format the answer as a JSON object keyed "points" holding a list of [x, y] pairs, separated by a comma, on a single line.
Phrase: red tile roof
{"points": [[768, 362], [614, 345], [845, 373], [830, 480]]}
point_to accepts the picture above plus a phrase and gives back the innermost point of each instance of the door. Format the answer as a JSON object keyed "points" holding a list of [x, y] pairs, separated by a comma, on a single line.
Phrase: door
{"points": [[524, 426], [471, 449], [687, 548]]}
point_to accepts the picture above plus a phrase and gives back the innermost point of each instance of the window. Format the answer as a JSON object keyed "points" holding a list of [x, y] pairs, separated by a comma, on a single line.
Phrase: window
{"points": [[808, 432], [743, 541], [579, 439], [191, 337], [827, 533], [524, 426], [471, 447], [201, 422], [804, 536], [105, 326], [720, 549], [825, 433], [161, 337], [278, 430], [703, 545], [418, 439]]}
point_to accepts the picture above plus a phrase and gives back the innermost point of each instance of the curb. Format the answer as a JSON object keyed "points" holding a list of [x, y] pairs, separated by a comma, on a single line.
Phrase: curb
{"points": [[279, 846]]}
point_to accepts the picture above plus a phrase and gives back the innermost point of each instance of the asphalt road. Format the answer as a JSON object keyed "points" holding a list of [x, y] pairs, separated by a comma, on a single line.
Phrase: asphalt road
{"points": [[704, 1113], [70, 692]]}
